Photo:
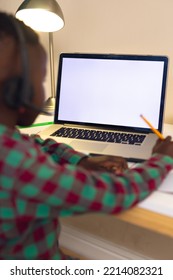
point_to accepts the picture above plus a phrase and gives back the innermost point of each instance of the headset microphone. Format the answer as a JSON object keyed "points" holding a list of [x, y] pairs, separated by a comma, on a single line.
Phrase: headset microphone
{"points": [[39, 110]]}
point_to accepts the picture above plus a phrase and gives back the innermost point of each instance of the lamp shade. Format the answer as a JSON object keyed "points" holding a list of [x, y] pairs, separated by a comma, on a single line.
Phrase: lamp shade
{"points": [[41, 15]]}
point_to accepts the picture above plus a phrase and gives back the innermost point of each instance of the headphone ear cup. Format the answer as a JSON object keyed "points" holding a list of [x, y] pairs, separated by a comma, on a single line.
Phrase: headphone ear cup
{"points": [[13, 94]]}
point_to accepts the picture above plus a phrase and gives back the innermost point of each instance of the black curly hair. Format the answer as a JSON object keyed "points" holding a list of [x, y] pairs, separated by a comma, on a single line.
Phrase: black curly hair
{"points": [[8, 28]]}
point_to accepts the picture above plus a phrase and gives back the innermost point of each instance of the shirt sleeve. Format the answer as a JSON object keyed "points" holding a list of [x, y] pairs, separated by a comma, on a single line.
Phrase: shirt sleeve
{"points": [[51, 189], [59, 152]]}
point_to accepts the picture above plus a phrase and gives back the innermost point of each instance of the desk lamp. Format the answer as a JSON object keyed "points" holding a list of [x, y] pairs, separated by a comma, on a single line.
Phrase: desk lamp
{"points": [[44, 16]]}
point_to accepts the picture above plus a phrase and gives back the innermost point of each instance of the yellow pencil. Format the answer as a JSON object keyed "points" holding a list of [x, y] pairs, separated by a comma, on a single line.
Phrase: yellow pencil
{"points": [[152, 128]]}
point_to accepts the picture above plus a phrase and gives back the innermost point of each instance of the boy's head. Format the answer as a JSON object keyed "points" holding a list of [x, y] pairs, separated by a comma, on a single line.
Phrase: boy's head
{"points": [[22, 72]]}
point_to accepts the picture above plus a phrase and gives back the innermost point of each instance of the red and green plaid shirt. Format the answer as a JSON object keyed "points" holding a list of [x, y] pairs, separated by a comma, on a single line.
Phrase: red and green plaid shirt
{"points": [[40, 181]]}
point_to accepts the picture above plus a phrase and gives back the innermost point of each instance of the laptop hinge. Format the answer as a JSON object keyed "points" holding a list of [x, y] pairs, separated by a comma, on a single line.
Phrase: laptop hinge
{"points": [[125, 130]]}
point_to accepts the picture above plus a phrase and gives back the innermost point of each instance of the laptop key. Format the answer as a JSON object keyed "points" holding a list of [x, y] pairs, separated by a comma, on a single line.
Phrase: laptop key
{"points": [[103, 136]]}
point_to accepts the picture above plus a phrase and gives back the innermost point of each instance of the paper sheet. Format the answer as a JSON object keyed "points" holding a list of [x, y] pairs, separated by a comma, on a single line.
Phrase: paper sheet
{"points": [[167, 185], [159, 202]]}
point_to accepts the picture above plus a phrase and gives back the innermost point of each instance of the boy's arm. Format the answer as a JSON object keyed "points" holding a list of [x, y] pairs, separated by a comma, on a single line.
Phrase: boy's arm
{"points": [[64, 154], [59, 152], [68, 190]]}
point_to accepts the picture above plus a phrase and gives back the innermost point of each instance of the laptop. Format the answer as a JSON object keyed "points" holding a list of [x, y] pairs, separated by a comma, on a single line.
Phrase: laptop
{"points": [[100, 98]]}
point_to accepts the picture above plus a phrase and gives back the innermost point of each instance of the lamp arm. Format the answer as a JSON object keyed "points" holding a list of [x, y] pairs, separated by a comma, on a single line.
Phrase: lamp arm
{"points": [[52, 69]]}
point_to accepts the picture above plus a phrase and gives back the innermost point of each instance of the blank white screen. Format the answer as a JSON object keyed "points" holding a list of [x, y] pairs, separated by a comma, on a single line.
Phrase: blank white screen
{"points": [[110, 92]]}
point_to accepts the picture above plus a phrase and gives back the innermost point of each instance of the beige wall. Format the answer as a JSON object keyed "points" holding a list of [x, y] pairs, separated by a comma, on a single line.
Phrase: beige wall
{"points": [[114, 26]]}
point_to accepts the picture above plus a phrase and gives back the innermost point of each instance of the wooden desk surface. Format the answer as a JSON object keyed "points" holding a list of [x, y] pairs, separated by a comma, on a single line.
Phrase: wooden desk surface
{"points": [[149, 220]]}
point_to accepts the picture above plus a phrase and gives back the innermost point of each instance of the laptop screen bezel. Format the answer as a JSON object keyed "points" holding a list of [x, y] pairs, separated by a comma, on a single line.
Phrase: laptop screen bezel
{"points": [[117, 57]]}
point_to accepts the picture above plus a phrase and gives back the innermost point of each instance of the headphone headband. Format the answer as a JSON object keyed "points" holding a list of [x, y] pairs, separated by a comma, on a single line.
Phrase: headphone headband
{"points": [[18, 90]]}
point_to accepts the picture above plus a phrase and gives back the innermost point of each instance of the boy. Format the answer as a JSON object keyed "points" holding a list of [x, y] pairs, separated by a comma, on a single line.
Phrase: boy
{"points": [[41, 180]]}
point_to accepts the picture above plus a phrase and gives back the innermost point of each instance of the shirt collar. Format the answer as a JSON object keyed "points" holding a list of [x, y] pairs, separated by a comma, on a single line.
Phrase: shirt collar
{"points": [[11, 132]]}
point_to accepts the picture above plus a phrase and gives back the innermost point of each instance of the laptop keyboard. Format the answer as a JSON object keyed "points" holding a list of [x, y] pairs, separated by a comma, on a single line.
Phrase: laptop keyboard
{"points": [[98, 135]]}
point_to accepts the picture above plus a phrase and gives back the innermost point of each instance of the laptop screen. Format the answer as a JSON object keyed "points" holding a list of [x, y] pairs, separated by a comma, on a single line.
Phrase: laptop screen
{"points": [[111, 90]]}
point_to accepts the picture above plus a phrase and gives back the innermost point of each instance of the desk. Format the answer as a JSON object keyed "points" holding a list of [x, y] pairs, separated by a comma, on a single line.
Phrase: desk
{"points": [[134, 234], [147, 219]]}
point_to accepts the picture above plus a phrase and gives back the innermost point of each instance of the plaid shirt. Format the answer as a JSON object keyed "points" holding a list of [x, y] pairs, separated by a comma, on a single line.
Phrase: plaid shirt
{"points": [[40, 181]]}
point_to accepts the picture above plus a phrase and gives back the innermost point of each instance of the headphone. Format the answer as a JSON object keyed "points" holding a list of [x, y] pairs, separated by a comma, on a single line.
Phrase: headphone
{"points": [[17, 90]]}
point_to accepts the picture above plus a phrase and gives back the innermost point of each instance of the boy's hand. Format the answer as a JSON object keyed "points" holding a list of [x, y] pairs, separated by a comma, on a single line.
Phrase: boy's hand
{"points": [[164, 147], [104, 163]]}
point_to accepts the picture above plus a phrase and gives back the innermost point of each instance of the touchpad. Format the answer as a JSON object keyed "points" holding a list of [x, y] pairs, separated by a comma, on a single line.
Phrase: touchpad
{"points": [[90, 147]]}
